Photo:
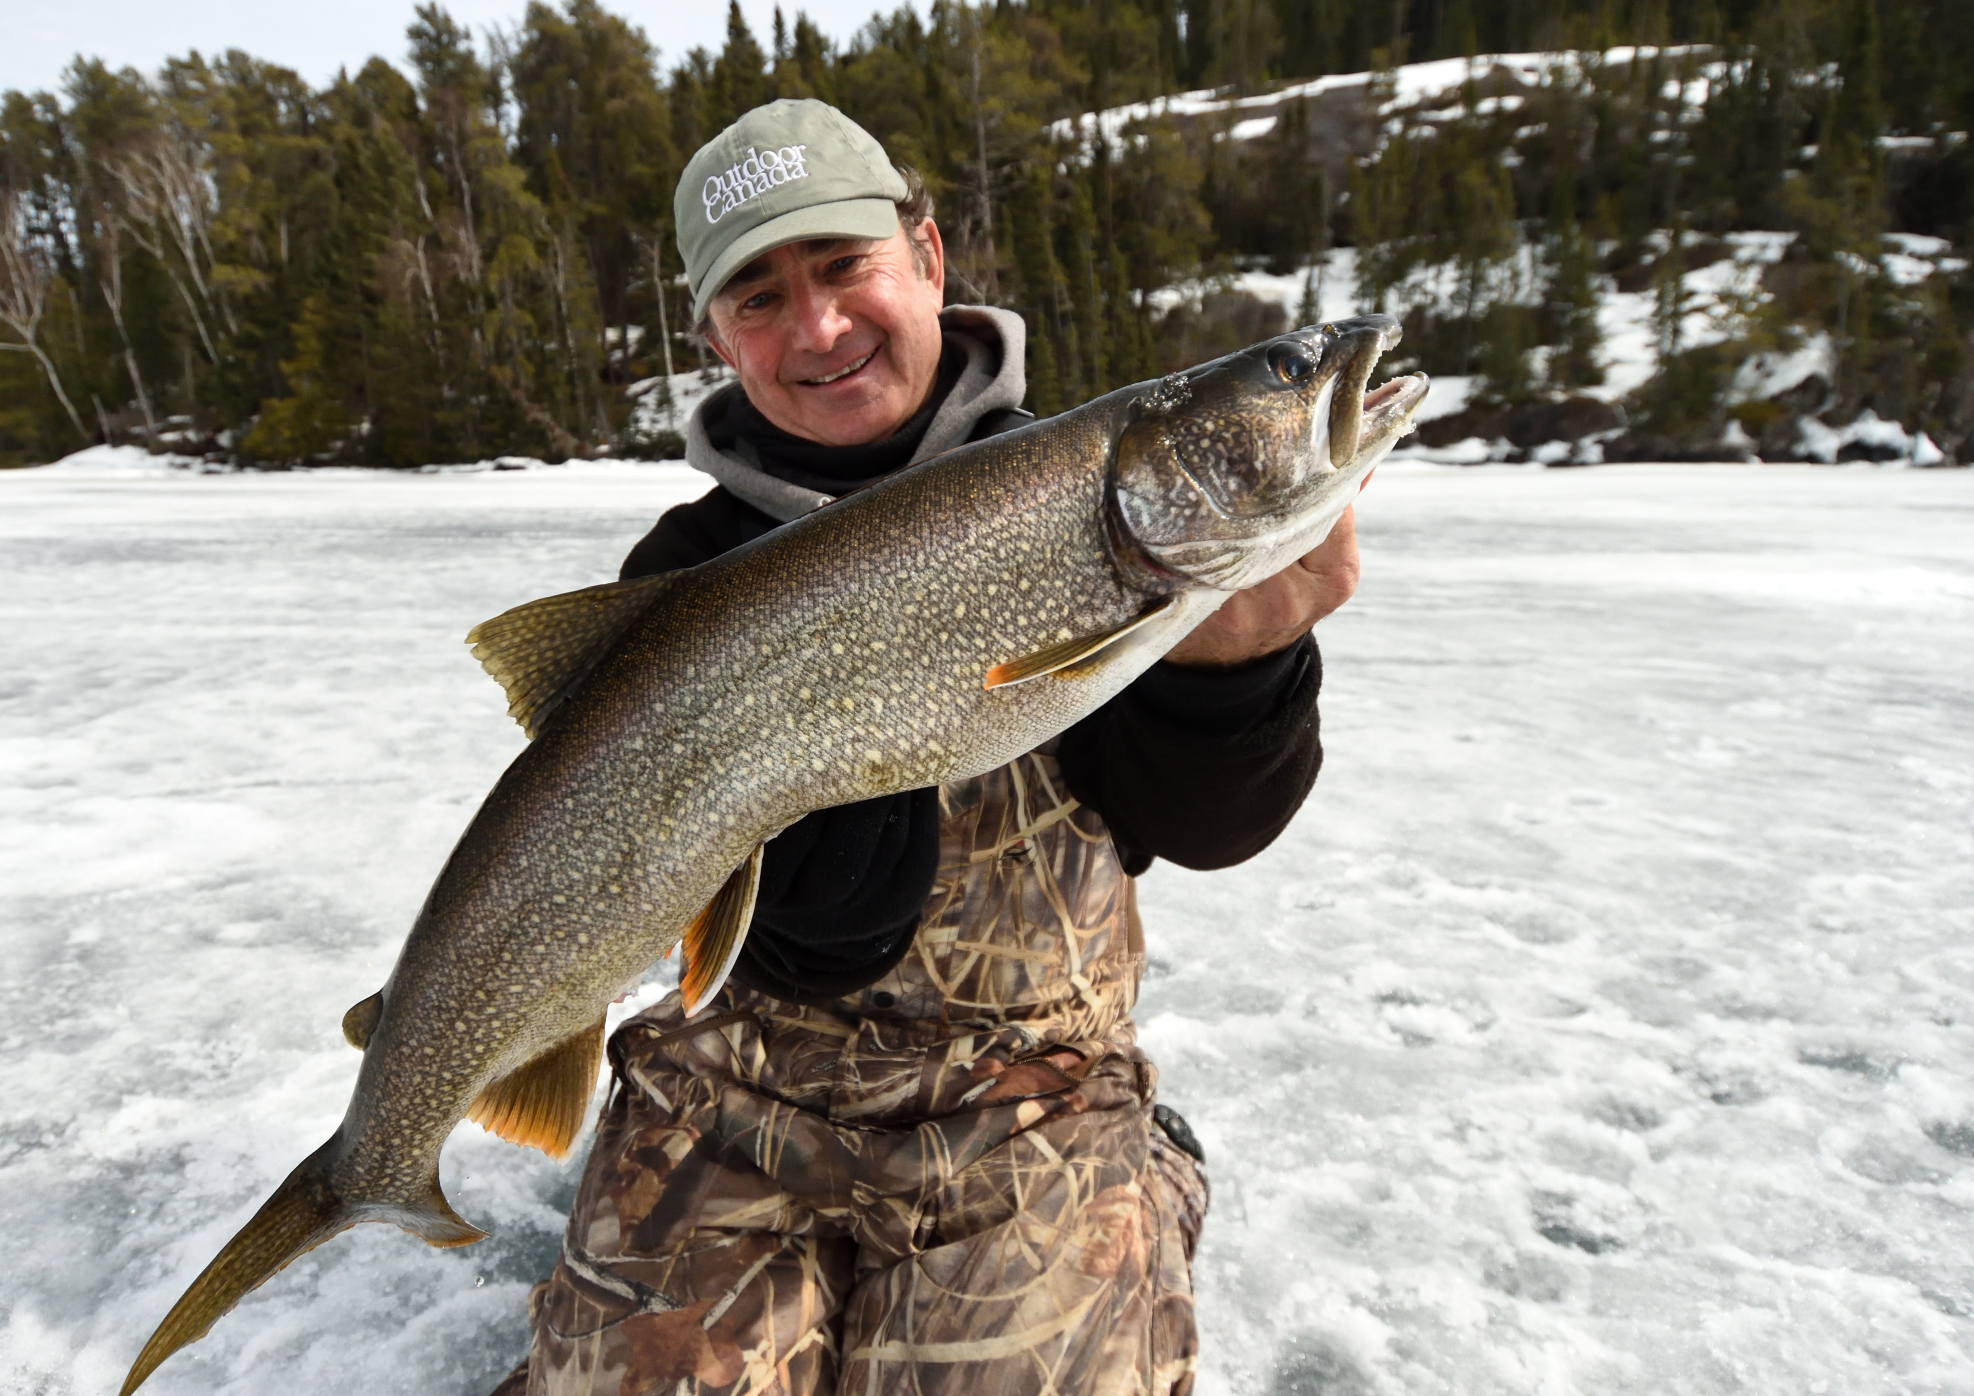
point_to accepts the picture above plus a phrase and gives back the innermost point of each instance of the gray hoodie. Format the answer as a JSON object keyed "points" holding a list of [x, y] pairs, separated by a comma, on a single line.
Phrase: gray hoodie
{"points": [[994, 380]]}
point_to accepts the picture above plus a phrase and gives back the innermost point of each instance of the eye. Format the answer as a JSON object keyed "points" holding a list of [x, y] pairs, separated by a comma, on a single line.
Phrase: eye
{"points": [[1291, 363], [757, 300], [843, 264]]}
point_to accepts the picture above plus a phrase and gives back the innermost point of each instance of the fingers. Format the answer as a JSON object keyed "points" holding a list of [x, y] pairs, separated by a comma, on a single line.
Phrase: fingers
{"points": [[1274, 614], [1338, 547], [1330, 571]]}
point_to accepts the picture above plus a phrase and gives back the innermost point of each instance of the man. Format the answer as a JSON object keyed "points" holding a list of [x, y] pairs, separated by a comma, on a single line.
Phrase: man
{"points": [[810, 1186]]}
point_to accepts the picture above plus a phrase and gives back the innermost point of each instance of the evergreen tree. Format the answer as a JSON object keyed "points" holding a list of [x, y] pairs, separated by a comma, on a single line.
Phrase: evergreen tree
{"points": [[467, 257], [740, 75], [312, 419]]}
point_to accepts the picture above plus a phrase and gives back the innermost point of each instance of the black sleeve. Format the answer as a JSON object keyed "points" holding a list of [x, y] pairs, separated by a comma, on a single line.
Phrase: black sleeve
{"points": [[695, 532], [841, 889], [1201, 767], [841, 893]]}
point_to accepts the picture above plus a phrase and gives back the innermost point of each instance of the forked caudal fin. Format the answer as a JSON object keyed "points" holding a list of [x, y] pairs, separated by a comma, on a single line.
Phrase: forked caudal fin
{"points": [[304, 1212]]}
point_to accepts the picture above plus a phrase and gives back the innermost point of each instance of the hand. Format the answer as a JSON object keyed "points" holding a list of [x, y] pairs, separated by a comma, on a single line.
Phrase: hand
{"points": [[1274, 614]]}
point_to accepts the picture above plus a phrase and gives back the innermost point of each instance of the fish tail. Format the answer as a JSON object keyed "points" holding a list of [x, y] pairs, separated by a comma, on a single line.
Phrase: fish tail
{"points": [[304, 1211]]}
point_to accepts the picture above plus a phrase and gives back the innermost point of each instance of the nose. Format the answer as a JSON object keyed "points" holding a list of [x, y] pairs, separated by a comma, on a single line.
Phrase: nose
{"points": [[816, 321]]}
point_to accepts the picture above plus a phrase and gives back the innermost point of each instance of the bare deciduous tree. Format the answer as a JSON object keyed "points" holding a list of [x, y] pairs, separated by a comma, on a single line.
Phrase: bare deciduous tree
{"points": [[168, 203], [26, 272]]}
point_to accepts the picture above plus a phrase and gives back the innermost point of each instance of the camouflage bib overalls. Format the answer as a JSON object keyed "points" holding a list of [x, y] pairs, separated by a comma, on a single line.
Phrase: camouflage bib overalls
{"points": [[947, 1182]]}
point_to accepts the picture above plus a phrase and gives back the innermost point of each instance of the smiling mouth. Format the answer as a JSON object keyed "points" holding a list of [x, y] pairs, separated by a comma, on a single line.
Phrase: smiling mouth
{"points": [[843, 372]]}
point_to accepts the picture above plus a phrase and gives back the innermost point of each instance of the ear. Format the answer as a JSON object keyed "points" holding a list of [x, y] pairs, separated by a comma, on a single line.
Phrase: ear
{"points": [[935, 259], [717, 344]]}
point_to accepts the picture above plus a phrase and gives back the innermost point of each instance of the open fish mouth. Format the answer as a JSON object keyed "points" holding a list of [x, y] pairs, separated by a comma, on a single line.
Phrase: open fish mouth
{"points": [[1363, 421], [1386, 411]]}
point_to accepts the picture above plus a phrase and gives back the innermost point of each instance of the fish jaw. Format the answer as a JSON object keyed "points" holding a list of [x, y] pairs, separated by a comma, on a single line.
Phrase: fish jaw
{"points": [[1222, 477], [1385, 419]]}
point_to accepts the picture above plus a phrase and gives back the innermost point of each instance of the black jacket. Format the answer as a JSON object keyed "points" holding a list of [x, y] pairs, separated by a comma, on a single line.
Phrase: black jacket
{"points": [[1203, 768]]}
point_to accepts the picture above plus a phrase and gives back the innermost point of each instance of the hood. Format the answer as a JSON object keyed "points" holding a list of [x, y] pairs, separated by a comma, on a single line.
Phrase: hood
{"points": [[995, 378]]}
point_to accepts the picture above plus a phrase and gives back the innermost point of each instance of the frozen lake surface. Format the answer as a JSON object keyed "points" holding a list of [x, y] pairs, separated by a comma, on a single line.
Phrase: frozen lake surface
{"points": [[1605, 1023]]}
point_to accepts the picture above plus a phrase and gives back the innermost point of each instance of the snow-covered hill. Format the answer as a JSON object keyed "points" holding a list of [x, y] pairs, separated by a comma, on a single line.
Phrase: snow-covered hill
{"points": [[1717, 298], [1783, 369], [1605, 1024]]}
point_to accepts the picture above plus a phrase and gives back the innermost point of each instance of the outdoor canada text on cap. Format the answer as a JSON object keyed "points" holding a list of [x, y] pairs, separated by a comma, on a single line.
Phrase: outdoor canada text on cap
{"points": [[788, 171]]}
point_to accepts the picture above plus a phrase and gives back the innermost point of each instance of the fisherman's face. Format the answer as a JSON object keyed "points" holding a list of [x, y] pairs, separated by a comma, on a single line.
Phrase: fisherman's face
{"points": [[835, 340]]}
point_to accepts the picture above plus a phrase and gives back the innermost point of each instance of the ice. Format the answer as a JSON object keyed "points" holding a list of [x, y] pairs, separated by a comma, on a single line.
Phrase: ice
{"points": [[1605, 1023], [239, 733]]}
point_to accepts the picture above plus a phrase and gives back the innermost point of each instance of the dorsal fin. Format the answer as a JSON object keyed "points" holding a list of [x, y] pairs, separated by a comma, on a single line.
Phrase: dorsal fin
{"points": [[542, 652]]}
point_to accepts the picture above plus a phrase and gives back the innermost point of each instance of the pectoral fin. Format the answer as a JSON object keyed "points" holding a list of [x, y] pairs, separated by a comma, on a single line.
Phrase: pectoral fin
{"points": [[542, 652], [712, 941], [1058, 657], [542, 1104], [361, 1020]]}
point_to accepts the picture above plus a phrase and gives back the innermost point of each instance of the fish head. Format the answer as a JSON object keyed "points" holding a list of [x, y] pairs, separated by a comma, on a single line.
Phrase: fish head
{"points": [[1224, 474]]}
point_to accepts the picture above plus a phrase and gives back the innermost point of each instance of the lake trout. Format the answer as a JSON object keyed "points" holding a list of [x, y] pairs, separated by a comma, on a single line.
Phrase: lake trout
{"points": [[930, 628]]}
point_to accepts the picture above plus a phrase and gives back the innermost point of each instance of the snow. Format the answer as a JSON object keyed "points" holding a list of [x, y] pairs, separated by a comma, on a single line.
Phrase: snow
{"points": [[1768, 375], [1881, 440], [1715, 301], [1913, 257], [1919, 244], [122, 460], [1817, 442], [1406, 86], [1605, 1023], [1470, 450], [1335, 276], [649, 413], [1448, 396]]}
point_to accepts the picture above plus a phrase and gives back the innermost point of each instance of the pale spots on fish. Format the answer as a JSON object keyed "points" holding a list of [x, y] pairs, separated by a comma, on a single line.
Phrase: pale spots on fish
{"points": [[838, 659]]}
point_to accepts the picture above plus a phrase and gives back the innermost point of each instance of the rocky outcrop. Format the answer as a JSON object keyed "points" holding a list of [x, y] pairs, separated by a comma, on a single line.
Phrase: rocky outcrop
{"points": [[1527, 426]]}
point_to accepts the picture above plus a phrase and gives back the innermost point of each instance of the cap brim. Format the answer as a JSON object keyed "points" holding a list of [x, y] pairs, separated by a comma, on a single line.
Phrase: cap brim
{"points": [[851, 218]]}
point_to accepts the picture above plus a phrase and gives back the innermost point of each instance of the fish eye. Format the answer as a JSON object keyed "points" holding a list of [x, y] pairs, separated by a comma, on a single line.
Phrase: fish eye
{"points": [[1291, 363]]}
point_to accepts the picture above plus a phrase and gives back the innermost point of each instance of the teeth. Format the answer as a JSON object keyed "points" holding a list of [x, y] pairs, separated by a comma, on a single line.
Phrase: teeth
{"points": [[1383, 392], [841, 372]]}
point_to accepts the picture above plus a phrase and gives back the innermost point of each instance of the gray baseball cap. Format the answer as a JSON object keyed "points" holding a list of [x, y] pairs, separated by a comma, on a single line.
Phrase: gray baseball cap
{"points": [[788, 171]]}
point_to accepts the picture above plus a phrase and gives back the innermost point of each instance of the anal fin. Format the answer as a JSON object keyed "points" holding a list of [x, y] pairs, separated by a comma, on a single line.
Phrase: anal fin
{"points": [[1055, 658], [712, 942], [542, 1103]]}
